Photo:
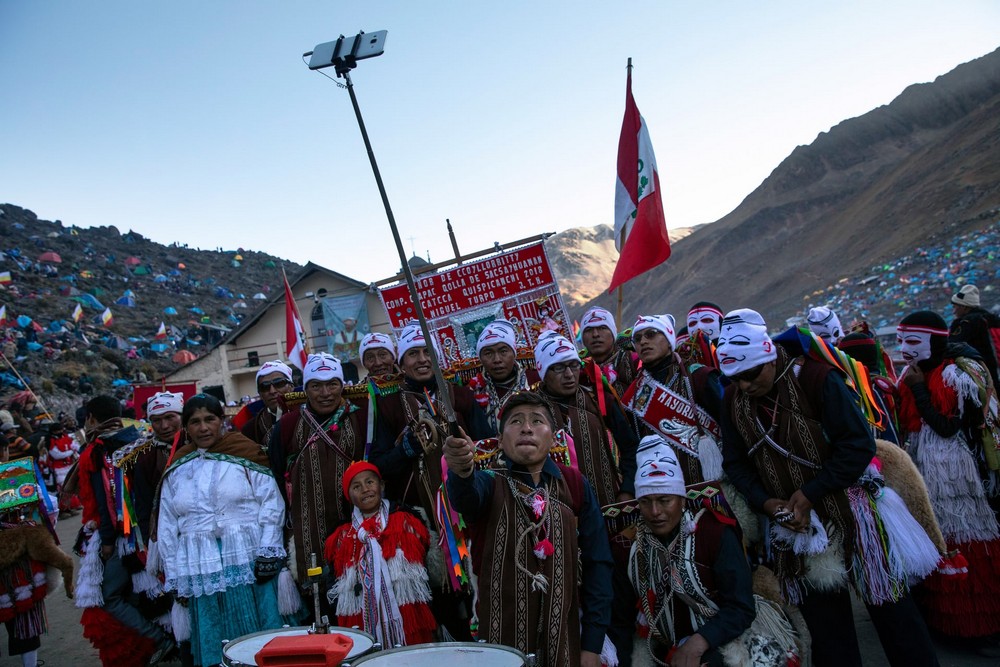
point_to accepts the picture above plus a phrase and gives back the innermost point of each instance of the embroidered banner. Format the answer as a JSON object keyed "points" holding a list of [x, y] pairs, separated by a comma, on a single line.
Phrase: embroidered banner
{"points": [[668, 413]]}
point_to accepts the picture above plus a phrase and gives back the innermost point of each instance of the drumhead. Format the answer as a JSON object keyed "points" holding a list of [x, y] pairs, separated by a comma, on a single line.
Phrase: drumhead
{"points": [[438, 655], [241, 651]]}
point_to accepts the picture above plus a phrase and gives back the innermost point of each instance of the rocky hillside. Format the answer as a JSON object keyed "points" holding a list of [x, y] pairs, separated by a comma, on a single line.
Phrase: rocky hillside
{"points": [[583, 259], [197, 294], [921, 169]]}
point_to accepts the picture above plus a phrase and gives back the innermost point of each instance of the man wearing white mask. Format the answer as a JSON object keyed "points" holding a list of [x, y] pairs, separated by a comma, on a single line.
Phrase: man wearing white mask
{"points": [[587, 418], [378, 355], [675, 401], [705, 317], [692, 578], [274, 379], [798, 448], [599, 333], [310, 450], [824, 323], [502, 374], [942, 395]]}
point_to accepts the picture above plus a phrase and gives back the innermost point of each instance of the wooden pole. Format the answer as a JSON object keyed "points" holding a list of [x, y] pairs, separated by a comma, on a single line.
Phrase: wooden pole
{"points": [[618, 314], [40, 402]]}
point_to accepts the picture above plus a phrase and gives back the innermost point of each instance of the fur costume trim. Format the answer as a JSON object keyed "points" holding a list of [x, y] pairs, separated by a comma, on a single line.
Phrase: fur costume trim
{"points": [[37, 544], [609, 654], [154, 565], [954, 487], [710, 458], [909, 547], [180, 621], [903, 476], [88, 585], [289, 600]]}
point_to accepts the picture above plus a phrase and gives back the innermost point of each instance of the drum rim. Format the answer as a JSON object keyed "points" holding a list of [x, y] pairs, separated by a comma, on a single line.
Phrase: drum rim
{"points": [[467, 645], [291, 628]]}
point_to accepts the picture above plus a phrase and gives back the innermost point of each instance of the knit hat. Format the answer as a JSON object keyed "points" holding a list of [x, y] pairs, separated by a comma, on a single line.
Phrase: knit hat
{"points": [[497, 331], [375, 340], [682, 336], [274, 367], [8, 426], [598, 317], [410, 337], [861, 347], [657, 470], [967, 296], [322, 367], [163, 402], [353, 471], [553, 349], [705, 310], [744, 343], [662, 323], [822, 321]]}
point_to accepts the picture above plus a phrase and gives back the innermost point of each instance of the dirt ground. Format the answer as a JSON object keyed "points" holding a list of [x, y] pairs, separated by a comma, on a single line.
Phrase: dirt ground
{"points": [[64, 645]]}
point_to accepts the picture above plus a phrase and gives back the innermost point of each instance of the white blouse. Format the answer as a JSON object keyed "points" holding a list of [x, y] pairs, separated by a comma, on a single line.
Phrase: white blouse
{"points": [[216, 518]]}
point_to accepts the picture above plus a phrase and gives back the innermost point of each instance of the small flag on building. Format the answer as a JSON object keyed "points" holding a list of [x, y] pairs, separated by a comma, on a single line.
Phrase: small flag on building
{"points": [[107, 318]]}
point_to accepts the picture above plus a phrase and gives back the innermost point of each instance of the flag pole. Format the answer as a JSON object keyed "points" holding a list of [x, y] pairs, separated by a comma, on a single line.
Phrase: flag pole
{"points": [[618, 314], [443, 395]]}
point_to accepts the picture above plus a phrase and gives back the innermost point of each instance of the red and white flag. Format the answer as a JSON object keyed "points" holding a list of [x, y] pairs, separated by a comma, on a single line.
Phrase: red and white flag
{"points": [[295, 338], [77, 313], [640, 226], [3, 315], [161, 333]]}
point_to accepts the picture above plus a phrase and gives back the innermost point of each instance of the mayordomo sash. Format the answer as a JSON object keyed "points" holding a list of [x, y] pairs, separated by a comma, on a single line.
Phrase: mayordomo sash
{"points": [[678, 419]]}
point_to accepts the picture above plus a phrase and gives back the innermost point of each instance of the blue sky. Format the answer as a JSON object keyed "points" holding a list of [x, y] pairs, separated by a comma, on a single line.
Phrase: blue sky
{"points": [[198, 122]]}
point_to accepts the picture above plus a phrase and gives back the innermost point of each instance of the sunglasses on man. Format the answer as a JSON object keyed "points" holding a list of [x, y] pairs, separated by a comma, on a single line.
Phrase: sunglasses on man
{"points": [[267, 384], [748, 375]]}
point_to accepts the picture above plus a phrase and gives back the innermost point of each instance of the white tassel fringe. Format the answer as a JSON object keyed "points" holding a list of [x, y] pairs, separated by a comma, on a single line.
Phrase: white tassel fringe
{"points": [[180, 620], [289, 600]]}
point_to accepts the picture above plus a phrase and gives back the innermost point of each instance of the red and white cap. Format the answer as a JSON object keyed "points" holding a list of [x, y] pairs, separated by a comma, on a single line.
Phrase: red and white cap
{"points": [[553, 348], [497, 331], [164, 402], [322, 367], [376, 340], [599, 317]]}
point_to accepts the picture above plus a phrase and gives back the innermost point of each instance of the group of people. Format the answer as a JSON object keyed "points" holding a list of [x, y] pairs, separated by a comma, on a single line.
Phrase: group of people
{"points": [[703, 496]]}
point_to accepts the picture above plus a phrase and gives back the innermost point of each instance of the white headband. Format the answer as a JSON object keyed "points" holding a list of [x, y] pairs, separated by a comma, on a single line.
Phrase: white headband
{"points": [[599, 317], [744, 343], [553, 349], [662, 323], [377, 340], [657, 471], [274, 367], [164, 402], [322, 367], [497, 331]]}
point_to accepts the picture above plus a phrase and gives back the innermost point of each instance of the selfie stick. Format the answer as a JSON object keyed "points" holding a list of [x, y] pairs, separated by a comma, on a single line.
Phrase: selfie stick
{"points": [[344, 63]]}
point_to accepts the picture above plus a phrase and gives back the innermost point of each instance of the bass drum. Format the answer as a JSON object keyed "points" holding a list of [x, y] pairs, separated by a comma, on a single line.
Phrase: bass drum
{"points": [[443, 654], [240, 652]]}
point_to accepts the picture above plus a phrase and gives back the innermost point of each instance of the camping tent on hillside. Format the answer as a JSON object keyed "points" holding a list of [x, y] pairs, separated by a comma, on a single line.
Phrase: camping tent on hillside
{"points": [[50, 258]]}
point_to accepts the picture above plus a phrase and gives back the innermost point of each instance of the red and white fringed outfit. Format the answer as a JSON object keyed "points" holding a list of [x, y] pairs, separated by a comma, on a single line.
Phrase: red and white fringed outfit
{"points": [[381, 581], [954, 605]]}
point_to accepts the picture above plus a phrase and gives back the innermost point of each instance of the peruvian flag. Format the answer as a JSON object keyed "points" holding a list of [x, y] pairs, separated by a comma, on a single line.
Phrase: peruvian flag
{"points": [[161, 333], [640, 226], [295, 338]]}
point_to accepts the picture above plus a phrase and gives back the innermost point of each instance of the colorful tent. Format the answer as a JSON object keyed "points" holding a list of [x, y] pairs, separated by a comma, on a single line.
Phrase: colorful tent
{"points": [[169, 310], [260, 296], [50, 258], [127, 301], [133, 261], [196, 310], [89, 301], [159, 278], [140, 271], [183, 357]]}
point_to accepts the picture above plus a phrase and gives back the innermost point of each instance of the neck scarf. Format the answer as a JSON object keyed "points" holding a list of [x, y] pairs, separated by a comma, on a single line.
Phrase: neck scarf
{"points": [[380, 610]]}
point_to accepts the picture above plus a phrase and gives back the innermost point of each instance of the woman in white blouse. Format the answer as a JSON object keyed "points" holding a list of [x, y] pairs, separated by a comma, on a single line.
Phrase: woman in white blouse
{"points": [[219, 533]]}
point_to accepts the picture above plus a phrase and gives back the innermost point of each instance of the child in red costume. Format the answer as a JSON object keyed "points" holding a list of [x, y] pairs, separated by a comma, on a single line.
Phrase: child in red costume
{"points": [[378, 562]]}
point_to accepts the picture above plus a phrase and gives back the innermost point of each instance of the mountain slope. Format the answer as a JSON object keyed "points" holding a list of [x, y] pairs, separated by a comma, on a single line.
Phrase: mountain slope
{"points": [[871, 188]]}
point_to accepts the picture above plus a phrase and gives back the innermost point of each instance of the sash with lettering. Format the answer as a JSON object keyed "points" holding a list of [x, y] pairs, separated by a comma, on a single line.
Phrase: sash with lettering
{"points": [[678, 419]]}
